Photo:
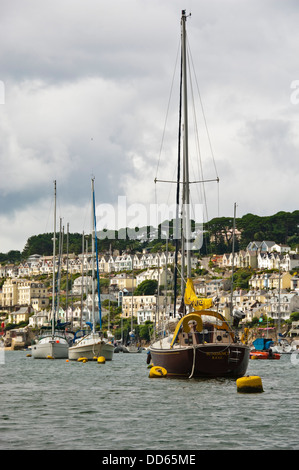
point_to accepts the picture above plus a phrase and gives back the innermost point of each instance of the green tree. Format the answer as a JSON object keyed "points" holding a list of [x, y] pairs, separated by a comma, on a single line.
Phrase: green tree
{"points": [[148, 287], [145, 330], [13, 256], [294, 316], [241, 278]]}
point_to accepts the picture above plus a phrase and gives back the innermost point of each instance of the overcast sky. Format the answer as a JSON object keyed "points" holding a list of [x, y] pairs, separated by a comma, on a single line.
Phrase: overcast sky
{"points": [[84, 91]]}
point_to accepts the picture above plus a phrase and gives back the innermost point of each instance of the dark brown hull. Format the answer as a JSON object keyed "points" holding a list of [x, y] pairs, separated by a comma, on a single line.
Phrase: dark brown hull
{"points": [[211, 360]]}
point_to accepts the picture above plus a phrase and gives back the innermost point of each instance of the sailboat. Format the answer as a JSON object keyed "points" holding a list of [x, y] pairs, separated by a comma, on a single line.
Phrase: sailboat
{"points": [[93, 344], [203, 344], [52, 344], [132, 347], [120, 344]]}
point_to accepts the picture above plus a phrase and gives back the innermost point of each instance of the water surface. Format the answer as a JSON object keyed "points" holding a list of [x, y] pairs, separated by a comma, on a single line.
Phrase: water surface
{"points": [[57, 405]]}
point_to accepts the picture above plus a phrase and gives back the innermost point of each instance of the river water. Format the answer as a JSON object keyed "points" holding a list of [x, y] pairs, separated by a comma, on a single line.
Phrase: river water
{"points": [[59, 405]]}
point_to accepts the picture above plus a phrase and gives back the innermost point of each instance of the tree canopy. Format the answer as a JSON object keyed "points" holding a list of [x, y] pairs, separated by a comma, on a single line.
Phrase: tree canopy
{"points": [[148, 287], [282, 227]]}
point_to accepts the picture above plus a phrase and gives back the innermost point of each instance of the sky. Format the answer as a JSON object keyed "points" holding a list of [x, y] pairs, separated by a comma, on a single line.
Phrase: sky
{"points": [[89, 89]]}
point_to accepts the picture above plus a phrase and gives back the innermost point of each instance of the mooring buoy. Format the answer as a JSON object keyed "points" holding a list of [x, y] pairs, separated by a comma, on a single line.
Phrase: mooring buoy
{"points": [[250, 384], [157, 371]]}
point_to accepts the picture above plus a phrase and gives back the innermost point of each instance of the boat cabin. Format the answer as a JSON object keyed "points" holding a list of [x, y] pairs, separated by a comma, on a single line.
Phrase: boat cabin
{"points": [[196, 329], [209, 334]]}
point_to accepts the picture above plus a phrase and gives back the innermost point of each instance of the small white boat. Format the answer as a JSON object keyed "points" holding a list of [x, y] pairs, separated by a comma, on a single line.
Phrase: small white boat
{"points": [[52, 345], [284, 347], [133, 348], [90, 346]]}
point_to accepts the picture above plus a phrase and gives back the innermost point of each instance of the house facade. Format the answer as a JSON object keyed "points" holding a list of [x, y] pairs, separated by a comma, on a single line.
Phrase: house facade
{"points": [[282, 306], [24, 292], [21, 315], [143, 307], [162, 276], [271, 281], [10, 292]]}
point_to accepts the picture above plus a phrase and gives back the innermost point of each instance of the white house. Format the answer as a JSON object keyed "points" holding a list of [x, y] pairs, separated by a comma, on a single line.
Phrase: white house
{"points": [[154, 274], [280, 248], [80, 283], [282, 306], [291, 261], [39, 319]]}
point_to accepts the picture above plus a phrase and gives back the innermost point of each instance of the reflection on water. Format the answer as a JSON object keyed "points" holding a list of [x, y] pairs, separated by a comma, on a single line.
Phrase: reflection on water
{"points": [[115, 406]]}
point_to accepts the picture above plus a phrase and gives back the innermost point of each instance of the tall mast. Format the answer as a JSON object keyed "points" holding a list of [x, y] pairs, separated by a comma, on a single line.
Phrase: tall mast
{"points": [[92, 256], [95, 255], [186, 192], [233, 264], [67, 273], [177, 228], [54, 263], [132, 300], [82, 279], [60, 250]]}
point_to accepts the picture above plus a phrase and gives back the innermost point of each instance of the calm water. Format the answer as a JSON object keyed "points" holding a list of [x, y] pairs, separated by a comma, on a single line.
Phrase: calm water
{"points": [[54, 404]]}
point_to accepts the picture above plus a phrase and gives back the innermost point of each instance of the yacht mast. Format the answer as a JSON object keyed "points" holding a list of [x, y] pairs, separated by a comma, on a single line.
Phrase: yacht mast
{"points": [[54, 263], [186, 191], [92, 257], [233, 265]]}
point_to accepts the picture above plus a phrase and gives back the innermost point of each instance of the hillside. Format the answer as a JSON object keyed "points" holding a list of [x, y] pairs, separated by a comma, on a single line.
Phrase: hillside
{"points": [[282, 228]]}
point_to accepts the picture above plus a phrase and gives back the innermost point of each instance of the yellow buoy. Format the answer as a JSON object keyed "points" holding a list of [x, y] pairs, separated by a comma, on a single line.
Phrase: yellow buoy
{"points": [[250, 384], [28, 355], [94, 358], [101, 360], [50, 357], [157, 371], [82, 359]]}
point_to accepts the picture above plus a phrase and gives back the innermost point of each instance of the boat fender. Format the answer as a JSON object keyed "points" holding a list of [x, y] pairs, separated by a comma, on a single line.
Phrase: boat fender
{"points": [[250, 384], [157, 371], [50, 357], [149, 357], [82, 359], [101, 360]]}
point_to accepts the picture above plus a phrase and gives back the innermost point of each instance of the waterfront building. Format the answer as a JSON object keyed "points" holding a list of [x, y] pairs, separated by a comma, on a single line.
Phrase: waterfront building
{"points": [[20, 315]]}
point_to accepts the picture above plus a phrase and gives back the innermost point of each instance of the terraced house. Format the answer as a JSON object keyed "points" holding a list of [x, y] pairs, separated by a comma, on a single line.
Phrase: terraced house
{"points": [[24, 292]]}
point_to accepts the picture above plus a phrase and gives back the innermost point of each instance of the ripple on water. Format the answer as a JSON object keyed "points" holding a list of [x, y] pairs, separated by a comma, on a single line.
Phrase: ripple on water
{"points": [[59, 405]]}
